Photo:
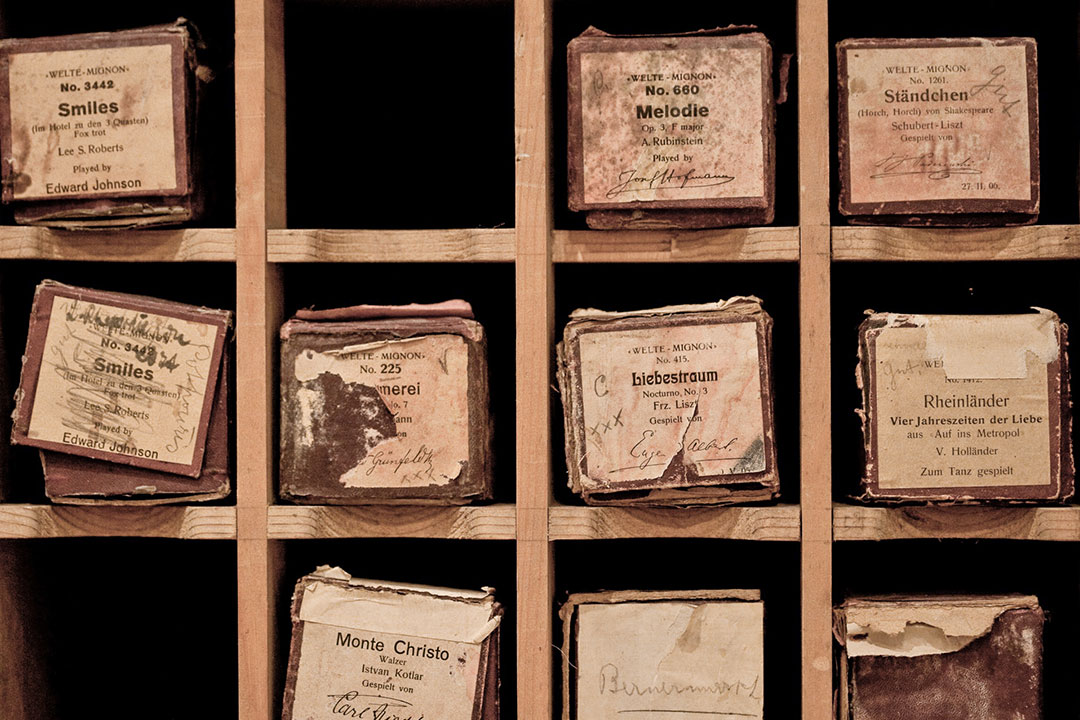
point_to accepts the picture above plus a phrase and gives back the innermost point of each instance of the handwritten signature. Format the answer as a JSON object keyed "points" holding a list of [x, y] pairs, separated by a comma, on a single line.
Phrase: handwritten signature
{"points": [[923, 164], [355, 704], [612, 683], [997, 87], [630, 181]]}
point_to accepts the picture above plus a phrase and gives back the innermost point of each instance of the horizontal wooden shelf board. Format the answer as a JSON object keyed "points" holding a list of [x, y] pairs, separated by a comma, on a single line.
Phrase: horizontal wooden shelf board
{"points": [[758, 522], [1031, 242], [755, 244], [456, 245], [474, 522], [855, 522], [159, 521], [170, 245]]}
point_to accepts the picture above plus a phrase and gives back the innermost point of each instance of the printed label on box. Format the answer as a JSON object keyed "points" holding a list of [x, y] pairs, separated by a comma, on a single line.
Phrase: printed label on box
{"points": [[681, 124], [93, 122]]}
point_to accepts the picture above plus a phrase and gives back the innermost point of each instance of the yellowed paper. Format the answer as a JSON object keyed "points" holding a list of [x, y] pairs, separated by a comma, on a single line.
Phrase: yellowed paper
{"points": [[670, 660], [944, 123], [680, 124], [370, 651], [653, 394], [973, 429], [122, 381], [423, 382], [93, 122]]}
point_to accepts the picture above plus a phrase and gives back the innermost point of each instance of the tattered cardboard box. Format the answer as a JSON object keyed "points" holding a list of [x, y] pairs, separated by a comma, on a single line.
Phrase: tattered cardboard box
{"points": [[965, 408], [126, 397], [385, 404], [670, 406], [672, 653], [372, 649], [938, 131], [98, 130], [671, 131], [947, 658]]}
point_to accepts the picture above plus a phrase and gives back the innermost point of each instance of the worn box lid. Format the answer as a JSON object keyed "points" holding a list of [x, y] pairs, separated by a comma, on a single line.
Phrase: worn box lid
{"points": [[671, 405], [384, 649], [122, 378], [938, 130], [965, 408], [676, 122]]}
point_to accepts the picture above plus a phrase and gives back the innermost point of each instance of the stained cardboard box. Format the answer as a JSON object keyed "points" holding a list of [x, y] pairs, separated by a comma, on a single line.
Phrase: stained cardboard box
{"points": [[680, 653], [671, 131], [385, 404], [98, 130], [366, 648], [947, 658], [965, 408], [670, 406], [125, 396], [938, 131]]}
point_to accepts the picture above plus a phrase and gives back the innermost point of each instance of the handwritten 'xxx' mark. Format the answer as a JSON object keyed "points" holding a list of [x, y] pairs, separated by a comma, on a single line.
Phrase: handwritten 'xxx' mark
{"points": [[616, 421]]}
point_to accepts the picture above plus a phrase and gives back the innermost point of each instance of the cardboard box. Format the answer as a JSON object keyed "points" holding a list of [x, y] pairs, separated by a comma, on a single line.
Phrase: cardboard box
{"points": [[670, 406], [97, 130], [671, 131], [965, 408], [365, 648], [126, 396], [948, 658], [385, 404], [675, 653], [939, 131]]}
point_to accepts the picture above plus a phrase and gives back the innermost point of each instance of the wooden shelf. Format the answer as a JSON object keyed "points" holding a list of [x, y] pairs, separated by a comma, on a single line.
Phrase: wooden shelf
{"points": [[310, 522], [756, 244], [1031, 242], [460, 245], [172, 521], [776, 522], [174, 245], [854, 522]]}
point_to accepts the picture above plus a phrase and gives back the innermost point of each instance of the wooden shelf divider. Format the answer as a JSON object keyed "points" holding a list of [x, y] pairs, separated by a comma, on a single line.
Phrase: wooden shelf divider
{"points": [[189, 522], [309, 522], [1028, 242], [765, 522], [856, 522], [755, 244], [187, 245], [454, 245]]}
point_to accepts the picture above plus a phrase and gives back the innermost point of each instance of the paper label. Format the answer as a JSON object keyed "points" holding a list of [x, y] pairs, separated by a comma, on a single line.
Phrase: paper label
{"points": [[351, 673], [935, 431], [670, 660], [125, 382], [944, 123], [422, 382], [653, 394], [680, 124], [92, 122]]}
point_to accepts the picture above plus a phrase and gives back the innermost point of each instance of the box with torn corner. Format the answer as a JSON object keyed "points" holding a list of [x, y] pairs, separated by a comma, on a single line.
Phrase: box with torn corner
{"points": [[938, 131], [372, 649], [385, 404], [98, 130], [670, 406], [965, 408], [671, 131], [946, 658], [671, 653], [125, 396]]}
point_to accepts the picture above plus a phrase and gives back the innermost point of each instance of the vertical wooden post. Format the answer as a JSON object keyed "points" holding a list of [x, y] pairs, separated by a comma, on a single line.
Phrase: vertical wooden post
{"points": [[260, 204], [815, 387], [534, 323]]}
